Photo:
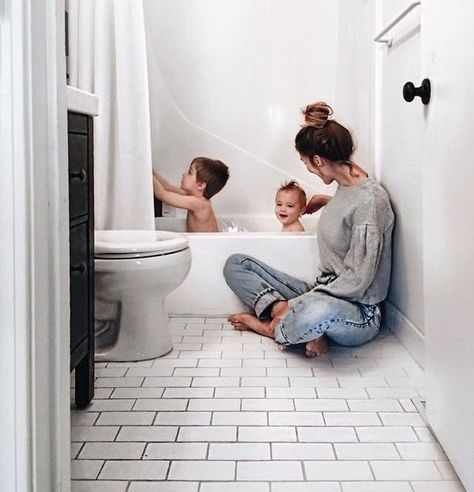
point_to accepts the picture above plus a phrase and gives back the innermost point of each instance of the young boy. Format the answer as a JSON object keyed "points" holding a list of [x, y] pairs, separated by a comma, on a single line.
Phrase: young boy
{"points": [[204, 178], [290, 205]]}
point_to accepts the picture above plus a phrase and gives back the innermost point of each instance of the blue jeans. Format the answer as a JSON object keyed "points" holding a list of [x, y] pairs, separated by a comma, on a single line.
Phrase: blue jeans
{"points": [[314, 314]]}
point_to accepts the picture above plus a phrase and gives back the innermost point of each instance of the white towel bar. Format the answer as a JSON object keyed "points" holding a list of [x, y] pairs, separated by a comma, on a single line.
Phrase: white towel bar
{"points": [[393, 23]]}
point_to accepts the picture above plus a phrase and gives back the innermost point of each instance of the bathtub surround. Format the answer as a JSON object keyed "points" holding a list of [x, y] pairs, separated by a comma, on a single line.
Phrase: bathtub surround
{"points": [[108, 57]]}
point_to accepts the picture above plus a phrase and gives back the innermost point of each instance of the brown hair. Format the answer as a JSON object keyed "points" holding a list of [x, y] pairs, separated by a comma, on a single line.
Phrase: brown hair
{"points": [[212, 172], [294, 186], [323, 136]]}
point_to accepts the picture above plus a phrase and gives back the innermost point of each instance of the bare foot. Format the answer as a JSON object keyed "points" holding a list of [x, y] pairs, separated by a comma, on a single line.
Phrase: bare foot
{"points": [[247, 321], [279, 308], [319, 346]]}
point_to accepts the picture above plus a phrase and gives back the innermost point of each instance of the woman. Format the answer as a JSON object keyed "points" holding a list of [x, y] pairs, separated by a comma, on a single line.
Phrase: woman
{"points": [[354, 239]]}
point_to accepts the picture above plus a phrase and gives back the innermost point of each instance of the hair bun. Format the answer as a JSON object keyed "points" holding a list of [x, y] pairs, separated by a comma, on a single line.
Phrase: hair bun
{"points": [[317, 114]]}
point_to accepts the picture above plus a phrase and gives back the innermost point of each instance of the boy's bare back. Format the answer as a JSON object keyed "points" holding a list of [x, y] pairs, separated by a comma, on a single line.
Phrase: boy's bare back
{"points": [[202, 219]]}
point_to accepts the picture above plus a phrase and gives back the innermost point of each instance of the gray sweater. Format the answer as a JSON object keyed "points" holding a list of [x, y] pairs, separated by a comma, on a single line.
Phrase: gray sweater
{"points": [[355, 239]]}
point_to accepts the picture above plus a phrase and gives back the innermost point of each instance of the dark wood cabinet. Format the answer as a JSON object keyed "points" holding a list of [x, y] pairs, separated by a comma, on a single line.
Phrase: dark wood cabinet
{"points": [[81, 249]]}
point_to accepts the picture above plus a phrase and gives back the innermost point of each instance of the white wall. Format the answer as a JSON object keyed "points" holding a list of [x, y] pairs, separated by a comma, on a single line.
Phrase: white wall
{"points": [[228, 80], [400, 153]]}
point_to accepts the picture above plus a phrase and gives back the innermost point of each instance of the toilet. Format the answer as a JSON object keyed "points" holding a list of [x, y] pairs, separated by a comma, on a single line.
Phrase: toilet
{"points": [[134, 272]]}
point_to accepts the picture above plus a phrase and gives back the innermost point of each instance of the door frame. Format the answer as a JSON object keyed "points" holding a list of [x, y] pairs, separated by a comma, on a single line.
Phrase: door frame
{"points": [[34, 248]]}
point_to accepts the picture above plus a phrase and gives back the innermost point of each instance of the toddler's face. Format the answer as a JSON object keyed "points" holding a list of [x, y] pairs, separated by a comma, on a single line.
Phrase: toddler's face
{"points": [[288, 207]]}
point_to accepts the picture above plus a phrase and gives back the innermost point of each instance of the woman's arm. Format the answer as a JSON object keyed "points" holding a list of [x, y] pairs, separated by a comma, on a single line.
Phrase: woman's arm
{"points": [[316, 202]]}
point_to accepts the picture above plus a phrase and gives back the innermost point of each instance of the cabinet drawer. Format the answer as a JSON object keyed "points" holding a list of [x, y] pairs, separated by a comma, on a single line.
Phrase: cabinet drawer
{"points": [[79, 283], [78, 175]]}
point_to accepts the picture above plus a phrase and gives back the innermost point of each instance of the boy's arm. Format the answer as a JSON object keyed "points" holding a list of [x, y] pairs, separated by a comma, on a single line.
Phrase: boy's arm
{"points": [[166, 185], [175, 199]]}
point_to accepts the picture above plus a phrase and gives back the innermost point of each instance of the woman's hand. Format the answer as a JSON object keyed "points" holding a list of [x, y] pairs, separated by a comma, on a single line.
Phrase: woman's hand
{"points": [[316, 202]]}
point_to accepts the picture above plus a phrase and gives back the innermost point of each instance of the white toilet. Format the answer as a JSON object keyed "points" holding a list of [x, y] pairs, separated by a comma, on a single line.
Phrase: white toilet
{"points": [[134, 272]]}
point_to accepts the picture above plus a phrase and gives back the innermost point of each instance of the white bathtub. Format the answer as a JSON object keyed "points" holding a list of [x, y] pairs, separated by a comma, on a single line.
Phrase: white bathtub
{"points": [[205, 292]]}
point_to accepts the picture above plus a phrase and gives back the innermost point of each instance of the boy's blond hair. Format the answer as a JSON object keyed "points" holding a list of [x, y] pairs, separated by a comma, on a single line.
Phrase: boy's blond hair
{"points": [[294, 186], [212, 172]]}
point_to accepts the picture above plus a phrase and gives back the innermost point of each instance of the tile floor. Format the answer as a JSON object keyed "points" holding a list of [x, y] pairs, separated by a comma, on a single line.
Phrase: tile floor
{"points": [[227, 411]]}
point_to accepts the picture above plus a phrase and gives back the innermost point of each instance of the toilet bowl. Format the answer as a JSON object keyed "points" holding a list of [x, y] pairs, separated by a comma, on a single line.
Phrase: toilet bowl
{"points": [[134, 272]]}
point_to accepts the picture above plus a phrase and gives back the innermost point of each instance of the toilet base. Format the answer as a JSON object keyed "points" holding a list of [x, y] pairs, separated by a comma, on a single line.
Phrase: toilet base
{"points": [[142, 333]]}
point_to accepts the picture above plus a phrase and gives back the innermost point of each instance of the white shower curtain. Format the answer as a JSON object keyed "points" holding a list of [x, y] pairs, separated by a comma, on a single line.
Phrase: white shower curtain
{"points": [[108, 57]]}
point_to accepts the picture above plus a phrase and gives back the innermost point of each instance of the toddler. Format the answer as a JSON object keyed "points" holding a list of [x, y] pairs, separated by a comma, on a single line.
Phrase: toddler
{"points": [[290, 205], [201, 181]]}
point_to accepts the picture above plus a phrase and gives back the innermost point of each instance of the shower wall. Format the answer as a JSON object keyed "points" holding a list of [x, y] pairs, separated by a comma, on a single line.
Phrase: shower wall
{"points": [[227, 80]]}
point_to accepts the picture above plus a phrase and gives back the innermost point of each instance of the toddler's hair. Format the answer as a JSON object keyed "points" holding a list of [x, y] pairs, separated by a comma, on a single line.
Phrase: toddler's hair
{"points": [[212, 172], [294, 186]]}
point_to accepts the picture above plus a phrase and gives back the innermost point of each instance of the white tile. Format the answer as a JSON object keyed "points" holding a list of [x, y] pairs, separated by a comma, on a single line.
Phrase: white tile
{"points": [[111, 405], [291, 393], [242, 354], [188, 393], [114, 372], [98, 486], [295, 418], [167, 404], [405, 470], [118, 382], [441, 486], [326, 434], [446, 470], [151, 486], [75, 448], [264, 363], [175, 450], [85, 469], [313, 382], [173, 363], [125, 418], [413, 419], [266, 434], [269, 470], [265, 382], [239, 451], [404, 382], [137, 393], [305, 487], [187, 346], [167, 382], [421, 451], [376, 487], [366, 451], [352, 393], [147, 434], [267, 404], [89, 433], [361, 382], [351, 418], [202, 470], [207, 434], [386, 434], [196, 371], [375, 405], [215, 382], [293, 372], [239, 418], [134, 470], [220, 363], [101, 393], [83, 418], [408, 405], [392, 393], [243, 371], [240, 392], [424, 434], [234, 487], [112, 450], [150, 371], [143, 363], [302, 451], [217, 404], [202, 354], [320, 405], [337, 470], [183, 418]]}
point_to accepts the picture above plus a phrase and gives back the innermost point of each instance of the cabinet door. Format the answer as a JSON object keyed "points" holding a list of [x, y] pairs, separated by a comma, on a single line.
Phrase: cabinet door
{"points": [[78, 175], [79, 286]]}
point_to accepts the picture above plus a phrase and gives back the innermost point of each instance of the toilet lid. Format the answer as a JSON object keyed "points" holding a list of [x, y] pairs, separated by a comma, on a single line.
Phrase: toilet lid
{"points": [[137, 243]]}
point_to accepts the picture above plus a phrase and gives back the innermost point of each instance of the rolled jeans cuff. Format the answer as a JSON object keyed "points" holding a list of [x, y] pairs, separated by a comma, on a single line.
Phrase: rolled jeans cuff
{"points": [[266, 298]]}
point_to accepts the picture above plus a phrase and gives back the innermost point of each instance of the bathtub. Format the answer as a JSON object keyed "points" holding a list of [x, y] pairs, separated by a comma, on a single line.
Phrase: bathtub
{"points": [[205, 292]]}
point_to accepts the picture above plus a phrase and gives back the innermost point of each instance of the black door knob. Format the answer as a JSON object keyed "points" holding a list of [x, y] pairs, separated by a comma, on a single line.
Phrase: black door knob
{"points": [[424, 91]]}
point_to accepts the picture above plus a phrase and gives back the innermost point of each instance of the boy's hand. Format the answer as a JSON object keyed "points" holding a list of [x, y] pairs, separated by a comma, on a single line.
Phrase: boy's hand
{"points": [[316, 202]]}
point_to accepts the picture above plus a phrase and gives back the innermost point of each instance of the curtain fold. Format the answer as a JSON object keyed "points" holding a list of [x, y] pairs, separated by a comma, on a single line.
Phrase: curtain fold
{"points": [[108, 57]]}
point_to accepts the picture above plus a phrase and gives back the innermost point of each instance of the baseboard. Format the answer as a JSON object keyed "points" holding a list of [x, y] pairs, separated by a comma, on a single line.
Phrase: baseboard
{"points": [[405, 331]]}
